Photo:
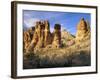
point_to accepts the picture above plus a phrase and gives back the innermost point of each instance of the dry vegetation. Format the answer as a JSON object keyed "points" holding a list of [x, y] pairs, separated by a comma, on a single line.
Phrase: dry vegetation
{"points": [[77, 54]]}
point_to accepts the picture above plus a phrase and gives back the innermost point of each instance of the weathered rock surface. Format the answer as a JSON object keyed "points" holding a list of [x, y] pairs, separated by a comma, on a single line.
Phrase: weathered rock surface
{"points": [[82, 30], [67, 38], [27, 35], [41, 37], [48, 36], [57, 36]]}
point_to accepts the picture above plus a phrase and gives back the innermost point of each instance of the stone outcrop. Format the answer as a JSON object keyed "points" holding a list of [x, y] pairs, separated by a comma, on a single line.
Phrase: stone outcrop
{"points": [[42, 37], [37, 40], [28, 37], [27, 40], [57, 36], [48, 35], [67, 39], [81, 30], [40, 34]]}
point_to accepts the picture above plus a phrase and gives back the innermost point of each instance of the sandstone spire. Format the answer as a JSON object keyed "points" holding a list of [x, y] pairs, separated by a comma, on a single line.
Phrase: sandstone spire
{"points": [[27, 40], [40, 32], [81, 30], [42, 37], [27, 37], [48, 36], [57, 36]]}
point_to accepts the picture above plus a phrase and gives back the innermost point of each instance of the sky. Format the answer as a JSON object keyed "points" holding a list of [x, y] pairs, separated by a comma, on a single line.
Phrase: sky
{"points": [[68, 20]]}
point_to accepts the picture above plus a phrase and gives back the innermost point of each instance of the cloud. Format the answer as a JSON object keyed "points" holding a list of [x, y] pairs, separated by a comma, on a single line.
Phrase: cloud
{"points": [[30, 22], [27, 15]]}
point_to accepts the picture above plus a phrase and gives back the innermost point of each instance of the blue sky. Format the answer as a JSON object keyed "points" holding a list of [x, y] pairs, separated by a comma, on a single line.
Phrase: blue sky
{"points": [[68, 20]]}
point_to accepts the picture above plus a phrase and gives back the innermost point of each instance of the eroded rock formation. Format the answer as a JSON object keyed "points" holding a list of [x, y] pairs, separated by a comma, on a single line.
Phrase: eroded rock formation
{"points": [[82, 30], [57, 36], [28, 37], [42, 37], [48, 35]]}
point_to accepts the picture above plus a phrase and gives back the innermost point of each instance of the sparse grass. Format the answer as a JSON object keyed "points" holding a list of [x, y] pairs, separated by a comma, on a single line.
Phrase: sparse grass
{"points": [[75, 55], [58, 58]]}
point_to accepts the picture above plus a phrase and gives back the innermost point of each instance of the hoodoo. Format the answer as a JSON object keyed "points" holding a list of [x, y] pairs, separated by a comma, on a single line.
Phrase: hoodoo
{"points": [[57, 36], [81, 30]]}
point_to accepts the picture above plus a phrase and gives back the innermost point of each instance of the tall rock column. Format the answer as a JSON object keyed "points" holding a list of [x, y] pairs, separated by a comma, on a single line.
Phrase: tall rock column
{"points": [[47, 34], [27, 40], [57, 36], [40, 32], [34, 39], [81, 30]]}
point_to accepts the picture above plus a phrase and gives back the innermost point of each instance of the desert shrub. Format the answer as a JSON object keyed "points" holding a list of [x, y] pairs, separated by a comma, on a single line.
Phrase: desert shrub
{"points": [[32, 61], [30, 56], [63, 45], [70, 56], [81, 59]]}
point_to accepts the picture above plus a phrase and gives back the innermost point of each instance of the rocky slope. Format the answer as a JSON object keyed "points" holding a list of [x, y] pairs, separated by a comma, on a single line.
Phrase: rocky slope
{"points": [[66, 37]]}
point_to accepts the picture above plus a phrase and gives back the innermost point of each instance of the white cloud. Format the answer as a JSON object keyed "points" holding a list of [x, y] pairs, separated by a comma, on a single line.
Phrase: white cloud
{"points": [[27, 15], [30, 22]]}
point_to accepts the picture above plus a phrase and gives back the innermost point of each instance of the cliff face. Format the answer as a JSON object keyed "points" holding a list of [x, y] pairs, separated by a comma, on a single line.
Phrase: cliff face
{"points": [[41, 37]]}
